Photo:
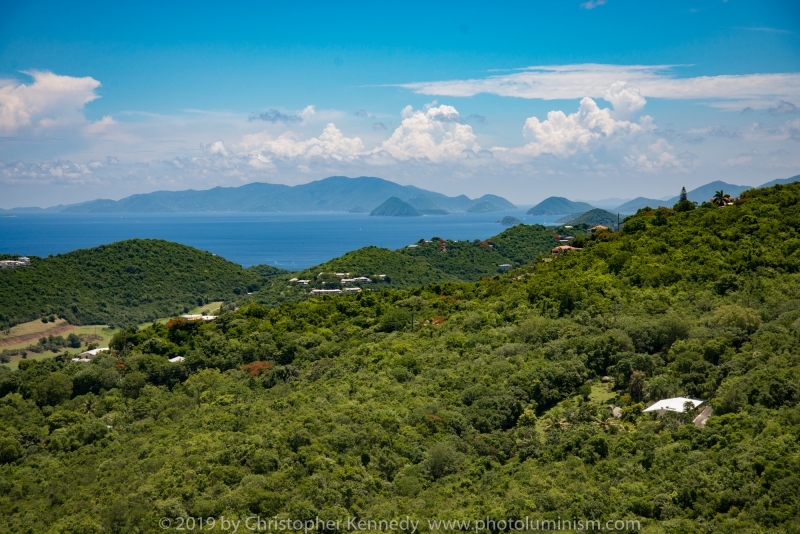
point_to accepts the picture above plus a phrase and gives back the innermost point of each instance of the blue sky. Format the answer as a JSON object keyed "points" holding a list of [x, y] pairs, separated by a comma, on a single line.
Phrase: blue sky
{"points": [[582, 99]]}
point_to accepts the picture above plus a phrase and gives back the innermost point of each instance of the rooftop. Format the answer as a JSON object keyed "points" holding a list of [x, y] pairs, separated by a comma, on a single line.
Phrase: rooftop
{"points": [[675, 404]]}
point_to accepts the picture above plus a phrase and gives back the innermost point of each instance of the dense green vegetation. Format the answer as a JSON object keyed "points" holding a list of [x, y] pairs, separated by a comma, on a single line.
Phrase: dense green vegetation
{"points": [[450, 401], [137, 281], [440, 259], [591, 218], [123, 283]]}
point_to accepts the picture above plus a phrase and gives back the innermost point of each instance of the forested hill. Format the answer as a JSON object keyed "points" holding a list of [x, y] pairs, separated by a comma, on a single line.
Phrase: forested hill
{"points": [[124, 283], [448, 401], [434, 260], [136, 281]]}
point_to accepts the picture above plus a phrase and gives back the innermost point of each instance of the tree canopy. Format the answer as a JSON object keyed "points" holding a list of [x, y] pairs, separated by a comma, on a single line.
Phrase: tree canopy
{"points": [[449, 400]]}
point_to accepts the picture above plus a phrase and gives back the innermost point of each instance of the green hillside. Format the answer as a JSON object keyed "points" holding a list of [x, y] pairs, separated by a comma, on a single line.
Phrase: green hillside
{"points": [[437, 260], [123, 283], [508, 220], [592, 218], [449, 401]]}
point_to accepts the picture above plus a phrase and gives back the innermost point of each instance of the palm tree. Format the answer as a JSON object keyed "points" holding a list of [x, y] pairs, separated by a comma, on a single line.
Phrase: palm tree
{"points": [[609, 424], [557, 424], [719, 198]]}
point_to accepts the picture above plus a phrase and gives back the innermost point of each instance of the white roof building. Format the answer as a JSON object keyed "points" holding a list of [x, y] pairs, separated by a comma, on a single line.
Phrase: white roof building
{"points": [[352, 289], [91, 353], [672, 405], [325, 291], [198, 317], [177, 359]]}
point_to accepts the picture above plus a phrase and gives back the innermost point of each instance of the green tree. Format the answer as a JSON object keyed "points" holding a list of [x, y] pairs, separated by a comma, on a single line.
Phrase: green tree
{"points": [[54, 389], [684, 204]]}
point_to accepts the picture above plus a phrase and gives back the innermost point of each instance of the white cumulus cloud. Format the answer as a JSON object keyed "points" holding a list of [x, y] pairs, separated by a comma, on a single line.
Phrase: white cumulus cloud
{"points": [[659, 156], [563, 135], [330, 144], [51, 101], [626, 101], [434, 133]]}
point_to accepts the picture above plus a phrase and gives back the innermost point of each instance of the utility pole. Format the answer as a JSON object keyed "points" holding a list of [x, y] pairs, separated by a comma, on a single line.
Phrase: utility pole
{"points": [[617, 222]]}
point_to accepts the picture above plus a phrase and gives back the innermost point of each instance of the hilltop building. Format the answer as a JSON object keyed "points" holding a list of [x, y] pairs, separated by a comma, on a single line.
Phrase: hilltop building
{"points": [[18, 263], [87, 355], [677, 405]]}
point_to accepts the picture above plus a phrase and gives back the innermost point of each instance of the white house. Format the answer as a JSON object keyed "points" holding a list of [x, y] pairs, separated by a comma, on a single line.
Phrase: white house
{"points": [[92, 353], [15, 264], [177, 359], [672, 405], [87, 355], [197, 317], [352, 289], [325, 291]]}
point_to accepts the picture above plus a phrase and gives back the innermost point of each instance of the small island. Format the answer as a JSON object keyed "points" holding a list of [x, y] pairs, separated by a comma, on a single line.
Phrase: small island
{"points": [[394, 207], [508, 220]]}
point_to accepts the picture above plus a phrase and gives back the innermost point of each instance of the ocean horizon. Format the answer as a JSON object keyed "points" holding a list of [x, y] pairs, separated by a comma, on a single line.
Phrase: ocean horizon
{"points": [[288, 240]]}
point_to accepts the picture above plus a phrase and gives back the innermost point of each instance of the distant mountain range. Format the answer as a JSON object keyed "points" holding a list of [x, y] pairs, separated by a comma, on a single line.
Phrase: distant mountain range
{"points": [[362, 195], [337, 193], [570, 210]]}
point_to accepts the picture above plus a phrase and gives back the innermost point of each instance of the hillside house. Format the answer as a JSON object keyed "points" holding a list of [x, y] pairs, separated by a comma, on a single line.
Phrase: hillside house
{"points": [[676, 404], [198, 317], [598, 228], [177, 359], [352, 289], [18, 263], [87, 355], [563, 249], [326, 291]]}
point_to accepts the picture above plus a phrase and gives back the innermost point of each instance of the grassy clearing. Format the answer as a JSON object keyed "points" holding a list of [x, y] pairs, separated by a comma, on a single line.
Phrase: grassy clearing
{"points": [[212, 308], [207, 309], [31, 327], [601, 393], [100, 330], [106, 333]]}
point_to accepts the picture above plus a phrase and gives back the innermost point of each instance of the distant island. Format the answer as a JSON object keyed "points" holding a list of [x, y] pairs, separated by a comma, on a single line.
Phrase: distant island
{"points": [[394, 207], [508, 220], [336, 193], [558, 206]]}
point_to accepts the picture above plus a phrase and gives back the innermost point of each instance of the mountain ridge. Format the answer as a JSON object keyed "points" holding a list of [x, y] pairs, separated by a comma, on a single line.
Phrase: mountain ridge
{"points": [[335, 193], [559, 206]]}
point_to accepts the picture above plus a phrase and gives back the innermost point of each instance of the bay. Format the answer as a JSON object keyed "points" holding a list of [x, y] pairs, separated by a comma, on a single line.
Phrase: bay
{"points": [[286, 240]]}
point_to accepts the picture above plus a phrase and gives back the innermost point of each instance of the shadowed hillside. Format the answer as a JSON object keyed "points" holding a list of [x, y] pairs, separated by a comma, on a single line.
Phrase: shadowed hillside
{"points": [[123, 283]]}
